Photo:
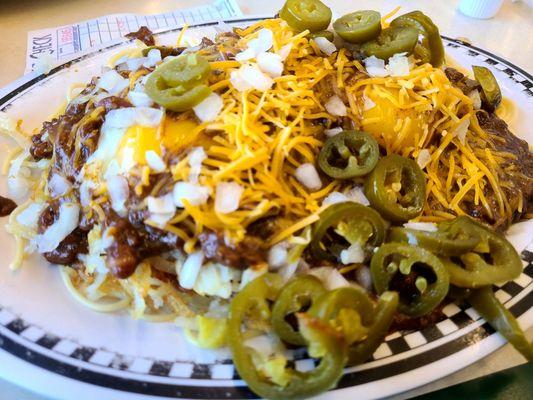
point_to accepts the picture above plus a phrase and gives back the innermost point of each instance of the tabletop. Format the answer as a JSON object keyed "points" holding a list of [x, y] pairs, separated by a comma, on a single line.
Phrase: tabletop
{"points": [[505, 35]]}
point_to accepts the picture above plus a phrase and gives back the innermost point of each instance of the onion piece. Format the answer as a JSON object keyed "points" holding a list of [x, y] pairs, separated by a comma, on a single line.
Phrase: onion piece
{"points": [[398, 65], [209, 108], [161, 205], [270, 63], [333, 131], [255, 78], [228, 197], [353, 254], [285, 51], [193, 193], [196, 158], [58, 185], [139, 99], [112, 82], [421, 226], [308, 176], [330, 277], [67, 221], [190, 269], [423, 158], [336, 107], [29, 217], [152, 58], [119, 190], [325, 45], [375, 66], [277, 255], [154, 161], [461, 129]]}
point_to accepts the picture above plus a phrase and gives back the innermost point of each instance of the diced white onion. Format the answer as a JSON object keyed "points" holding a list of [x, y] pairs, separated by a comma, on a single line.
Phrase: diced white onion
{"points": [[270, 63], [133, 64], [375, 66], [112, 82], [398, 65], [330, 277], [118, 189], [421, 226], [335, 106], [325, 45], [85, 191], [333, 131], [222, 27], [189, 271], [461, 130], [263, 42], [128, 116], [153, 57], [334, 198], [193, 193], [252, 273], [255, 78], [161, 219], [357, 195], [353, 254], [238, 82], [209, 108], [29, 217], [423, 158], [67, 221], [58, 185], [154, 161], [245, 55], [196, 158], [308, 176], [364, 277], [228, 197], [476, 99], [285, 51], [214, 280], [139, 99], [277, 255], [266, 345], [161, 205]]}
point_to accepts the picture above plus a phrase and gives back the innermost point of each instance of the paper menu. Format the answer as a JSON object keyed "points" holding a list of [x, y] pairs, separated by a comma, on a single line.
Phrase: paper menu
{"points": [[60, 44]]}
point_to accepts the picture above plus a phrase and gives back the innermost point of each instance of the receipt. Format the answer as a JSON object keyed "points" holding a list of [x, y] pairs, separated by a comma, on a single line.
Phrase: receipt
{"points": [[54, 46]]}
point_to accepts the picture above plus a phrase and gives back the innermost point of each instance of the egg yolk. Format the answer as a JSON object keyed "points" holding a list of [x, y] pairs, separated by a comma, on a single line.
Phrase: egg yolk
{"points": [[178, 133], [136, 142]]}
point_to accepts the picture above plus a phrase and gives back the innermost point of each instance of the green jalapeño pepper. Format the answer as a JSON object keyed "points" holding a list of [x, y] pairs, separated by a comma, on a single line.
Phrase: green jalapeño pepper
{"points": [[493, 260], [345, 223], [396, 188], [391, 41], [384, 313], [312, 15], [491, 94], [487, 305], [359, 26], [296, 295], [430, 49], [363, 325], [419, 276], [177, 84], [322, 341], [451, 239], [348, 154]]}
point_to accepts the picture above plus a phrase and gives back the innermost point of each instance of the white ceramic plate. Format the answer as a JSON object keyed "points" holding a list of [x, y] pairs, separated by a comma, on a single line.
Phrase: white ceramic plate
{"points": [[51, 344]]}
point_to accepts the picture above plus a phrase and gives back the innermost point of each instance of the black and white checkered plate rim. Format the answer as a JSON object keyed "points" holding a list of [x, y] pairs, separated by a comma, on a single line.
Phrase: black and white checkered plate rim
{"points": [[399, 353]]}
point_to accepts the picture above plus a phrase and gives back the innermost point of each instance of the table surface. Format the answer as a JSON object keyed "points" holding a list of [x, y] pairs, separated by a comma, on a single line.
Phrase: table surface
{"points": [[506, 35]]}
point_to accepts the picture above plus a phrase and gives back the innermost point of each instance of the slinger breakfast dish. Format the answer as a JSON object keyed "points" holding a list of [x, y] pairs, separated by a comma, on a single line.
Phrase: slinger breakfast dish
{"points": [[285, 184]]}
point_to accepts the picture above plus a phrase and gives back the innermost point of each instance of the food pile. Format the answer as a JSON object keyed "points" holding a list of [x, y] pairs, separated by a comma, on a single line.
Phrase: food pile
{"points": [[282, 185]]}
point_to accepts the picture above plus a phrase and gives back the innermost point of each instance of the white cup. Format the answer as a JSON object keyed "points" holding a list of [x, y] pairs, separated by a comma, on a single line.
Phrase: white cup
{"points": [[482, 9]]}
